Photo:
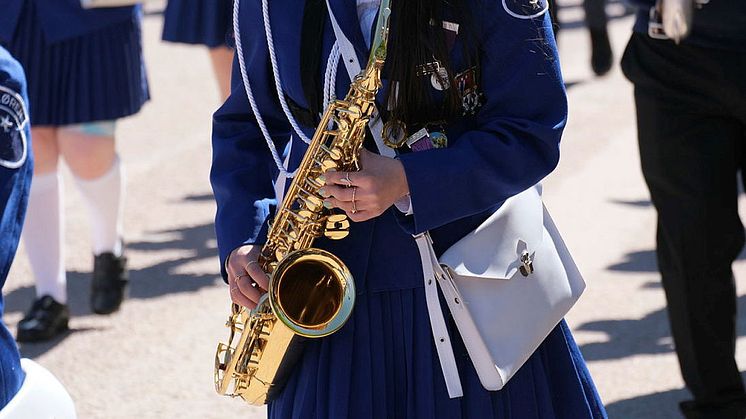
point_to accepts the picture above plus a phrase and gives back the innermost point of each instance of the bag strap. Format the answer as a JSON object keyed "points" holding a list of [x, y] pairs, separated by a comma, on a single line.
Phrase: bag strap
{"points": [[430, 268], [424, 243]]}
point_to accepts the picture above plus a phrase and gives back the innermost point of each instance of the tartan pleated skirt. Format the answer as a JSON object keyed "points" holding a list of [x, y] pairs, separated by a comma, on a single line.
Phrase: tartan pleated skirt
{"points": [[201, 22], [383, 364], [98, 76]]}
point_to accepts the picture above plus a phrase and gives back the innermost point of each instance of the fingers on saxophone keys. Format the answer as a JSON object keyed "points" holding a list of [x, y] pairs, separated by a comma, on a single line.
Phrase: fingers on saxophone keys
{"points": [[353, 211], [345, 179], [238, 297], [257, 275], [249, 292], [340, 192]]}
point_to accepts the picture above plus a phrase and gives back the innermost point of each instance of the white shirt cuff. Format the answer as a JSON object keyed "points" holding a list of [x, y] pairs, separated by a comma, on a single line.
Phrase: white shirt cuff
{"points": [[404, 204]]}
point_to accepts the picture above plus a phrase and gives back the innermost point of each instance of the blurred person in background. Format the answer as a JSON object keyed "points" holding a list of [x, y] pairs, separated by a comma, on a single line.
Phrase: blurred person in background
{"points": [[596, 20], [84, 70], [27, 390], [690, 94], [203, 22]]}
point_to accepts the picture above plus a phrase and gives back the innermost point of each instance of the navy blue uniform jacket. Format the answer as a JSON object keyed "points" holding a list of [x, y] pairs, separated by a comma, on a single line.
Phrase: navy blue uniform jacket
{"points": [[61, 19], [15, 181], [511, 143]]}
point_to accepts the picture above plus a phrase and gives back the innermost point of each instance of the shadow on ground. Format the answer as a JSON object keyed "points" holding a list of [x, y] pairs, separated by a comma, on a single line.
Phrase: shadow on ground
{"points": [[161, 278], [663, 405], [644, 336]]}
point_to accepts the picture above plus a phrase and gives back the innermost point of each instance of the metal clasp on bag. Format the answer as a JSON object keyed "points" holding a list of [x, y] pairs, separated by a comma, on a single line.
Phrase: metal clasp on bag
{"points": [[527, 263]]}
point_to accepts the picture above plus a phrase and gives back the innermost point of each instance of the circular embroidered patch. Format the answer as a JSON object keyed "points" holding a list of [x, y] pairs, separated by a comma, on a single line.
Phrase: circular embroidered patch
{"points": [[13, 120], [526, 9]]}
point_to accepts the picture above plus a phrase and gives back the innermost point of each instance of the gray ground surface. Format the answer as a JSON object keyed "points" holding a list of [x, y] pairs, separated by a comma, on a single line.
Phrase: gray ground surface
{"points": [[155, 357]]}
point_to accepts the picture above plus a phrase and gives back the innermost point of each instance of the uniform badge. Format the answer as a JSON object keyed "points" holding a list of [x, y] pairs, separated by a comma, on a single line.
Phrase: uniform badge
{"points": [[13, 120], [438, 75], [425, 140], [469, 91], [526, 9]]}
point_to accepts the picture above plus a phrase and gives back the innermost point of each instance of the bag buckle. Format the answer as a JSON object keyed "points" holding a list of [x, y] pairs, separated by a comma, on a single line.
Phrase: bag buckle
{"points": [[527, 263]]}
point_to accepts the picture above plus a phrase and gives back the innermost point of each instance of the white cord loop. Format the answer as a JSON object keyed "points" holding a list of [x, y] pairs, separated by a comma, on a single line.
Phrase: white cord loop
{"points": [[247, 86], [330, 77], [276, 73]]}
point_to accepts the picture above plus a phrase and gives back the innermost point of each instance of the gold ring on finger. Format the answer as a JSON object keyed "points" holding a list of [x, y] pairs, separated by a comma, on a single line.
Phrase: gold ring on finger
{"points": [[238, 277]]}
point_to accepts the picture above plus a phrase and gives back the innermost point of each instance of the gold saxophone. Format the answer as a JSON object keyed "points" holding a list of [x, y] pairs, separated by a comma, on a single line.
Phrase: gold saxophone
{"points": [[311, 292]]}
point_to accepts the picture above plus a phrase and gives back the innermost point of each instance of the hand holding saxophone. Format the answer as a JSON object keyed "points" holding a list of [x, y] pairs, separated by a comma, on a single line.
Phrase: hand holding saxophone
{"points": [[367, 193], [246, 280]]}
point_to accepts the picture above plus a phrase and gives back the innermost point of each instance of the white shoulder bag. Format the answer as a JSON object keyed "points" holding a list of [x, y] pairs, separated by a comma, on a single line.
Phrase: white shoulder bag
{"points": [[507, 284]]}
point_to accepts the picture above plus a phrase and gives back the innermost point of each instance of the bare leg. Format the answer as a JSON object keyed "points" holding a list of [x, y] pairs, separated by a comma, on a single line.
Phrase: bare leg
{"points": [[222, 60], [88, 156], [46, 149]]}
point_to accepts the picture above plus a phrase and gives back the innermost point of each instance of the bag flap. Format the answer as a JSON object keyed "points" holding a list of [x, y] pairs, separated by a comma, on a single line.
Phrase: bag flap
{"points": [[494, 249]]}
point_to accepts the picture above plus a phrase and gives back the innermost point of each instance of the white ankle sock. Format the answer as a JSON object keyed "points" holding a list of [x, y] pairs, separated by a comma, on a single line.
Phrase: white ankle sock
{"points": [[103, 197], [43, 236]]}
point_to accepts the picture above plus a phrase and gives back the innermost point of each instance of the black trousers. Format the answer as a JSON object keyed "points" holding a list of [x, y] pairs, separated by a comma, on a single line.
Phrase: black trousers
{"points": [[691, 119]]}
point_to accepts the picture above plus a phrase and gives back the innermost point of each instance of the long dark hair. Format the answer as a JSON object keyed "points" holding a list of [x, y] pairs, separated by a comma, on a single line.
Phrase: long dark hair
{"points": [[417, 38]]}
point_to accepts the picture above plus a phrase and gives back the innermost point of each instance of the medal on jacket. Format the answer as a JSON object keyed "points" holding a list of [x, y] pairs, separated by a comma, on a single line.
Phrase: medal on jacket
{"points": [[394, 133], [425, 140], [470, 93], [438, 74]]}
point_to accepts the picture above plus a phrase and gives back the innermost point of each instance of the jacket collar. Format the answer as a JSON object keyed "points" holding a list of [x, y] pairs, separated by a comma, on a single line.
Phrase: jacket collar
{"points": [[346, 13]]}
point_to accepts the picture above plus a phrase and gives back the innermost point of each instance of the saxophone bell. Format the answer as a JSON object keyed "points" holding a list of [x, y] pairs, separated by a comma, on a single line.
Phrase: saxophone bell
{"points": [[312, 292]]}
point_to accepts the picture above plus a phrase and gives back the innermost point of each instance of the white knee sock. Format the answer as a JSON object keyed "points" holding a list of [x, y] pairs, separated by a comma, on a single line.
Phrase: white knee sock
{"points": [[43, 236], [104, 198]]}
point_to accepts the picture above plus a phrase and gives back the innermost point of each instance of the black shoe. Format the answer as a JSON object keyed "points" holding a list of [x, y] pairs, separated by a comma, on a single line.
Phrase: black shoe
{"points": [[601, 55], [109, 283], [726, 409], [46, 318]]}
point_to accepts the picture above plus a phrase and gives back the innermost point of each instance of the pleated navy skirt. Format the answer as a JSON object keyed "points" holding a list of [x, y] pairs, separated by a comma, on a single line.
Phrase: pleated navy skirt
{"points": [[98, 76], [203, 22], [383, 364]]}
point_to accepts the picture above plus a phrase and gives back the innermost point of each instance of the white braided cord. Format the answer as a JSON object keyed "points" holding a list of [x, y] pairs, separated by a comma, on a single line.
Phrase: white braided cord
{"points": [[276, 72], [330, 76], [247, 87]]}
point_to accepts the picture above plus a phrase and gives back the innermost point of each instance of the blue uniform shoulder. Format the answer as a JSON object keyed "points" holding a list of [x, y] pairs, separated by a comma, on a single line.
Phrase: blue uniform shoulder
{"points": [[13, 113]]}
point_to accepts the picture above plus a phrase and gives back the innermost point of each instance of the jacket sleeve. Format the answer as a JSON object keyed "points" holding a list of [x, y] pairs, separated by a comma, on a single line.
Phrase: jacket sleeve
{"points": [[243, 171], [515, 140]]}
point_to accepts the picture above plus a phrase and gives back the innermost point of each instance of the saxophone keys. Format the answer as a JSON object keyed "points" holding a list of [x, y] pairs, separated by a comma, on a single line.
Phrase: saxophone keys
{"points": [[337, 227], [254, 359], [328, 164]]}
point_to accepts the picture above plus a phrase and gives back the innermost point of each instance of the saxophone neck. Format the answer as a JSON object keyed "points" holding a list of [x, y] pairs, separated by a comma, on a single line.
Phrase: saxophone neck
{"points": [[369, 80], [380, 41]]}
